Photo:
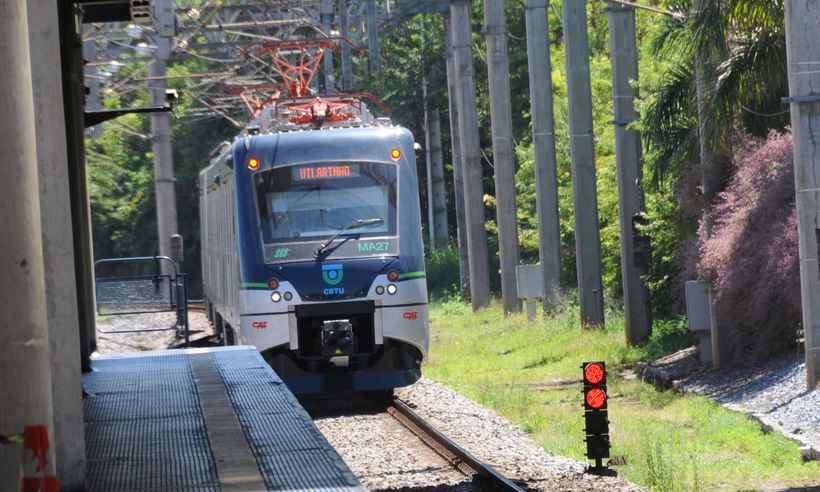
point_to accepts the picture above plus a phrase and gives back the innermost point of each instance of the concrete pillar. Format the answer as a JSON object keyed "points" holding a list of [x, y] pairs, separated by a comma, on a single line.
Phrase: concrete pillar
{"points": [[803, 52], [164, 179], [498, 71], [25, 375], [460, 13], [455, 153], [543, 138], [582, 151], [624, 59], [344, 29], [441, 235], [58, 248], [373, 46]]}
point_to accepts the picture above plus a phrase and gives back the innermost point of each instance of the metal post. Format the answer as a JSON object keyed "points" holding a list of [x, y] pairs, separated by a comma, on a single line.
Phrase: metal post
{"points": [[498, 68], [543, 137], [582, 151], [442, 233], [803, 51], [460, 13], [624, 59], [25, 375], [457, 162], [344, 27], [373, 38], [164, 180], [58, 249]]}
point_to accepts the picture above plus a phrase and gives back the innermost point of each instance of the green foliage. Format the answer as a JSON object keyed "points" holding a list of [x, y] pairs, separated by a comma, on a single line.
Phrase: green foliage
{"points": [[442, 273]]}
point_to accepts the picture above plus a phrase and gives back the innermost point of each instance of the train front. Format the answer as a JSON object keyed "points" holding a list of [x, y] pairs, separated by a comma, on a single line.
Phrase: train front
{"points": [[333, 293]]}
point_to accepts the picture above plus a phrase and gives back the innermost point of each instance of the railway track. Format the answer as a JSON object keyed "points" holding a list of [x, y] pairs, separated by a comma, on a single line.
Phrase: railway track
{"points": [[488, 478]]}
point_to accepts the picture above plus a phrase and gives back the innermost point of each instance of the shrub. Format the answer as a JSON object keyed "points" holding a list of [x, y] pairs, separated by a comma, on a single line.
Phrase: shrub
{"points": [[751, 254], [442, 273]]}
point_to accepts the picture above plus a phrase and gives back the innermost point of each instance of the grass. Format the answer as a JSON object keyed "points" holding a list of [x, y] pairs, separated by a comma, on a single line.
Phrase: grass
{"points": [[670, 441]]}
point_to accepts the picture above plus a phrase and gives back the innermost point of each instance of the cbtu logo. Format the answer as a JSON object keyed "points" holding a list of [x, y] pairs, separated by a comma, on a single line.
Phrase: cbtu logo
{"points": [[333, 274]]}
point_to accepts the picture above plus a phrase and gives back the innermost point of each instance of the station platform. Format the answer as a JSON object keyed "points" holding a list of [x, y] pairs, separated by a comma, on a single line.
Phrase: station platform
{"points": [[202, 419]]}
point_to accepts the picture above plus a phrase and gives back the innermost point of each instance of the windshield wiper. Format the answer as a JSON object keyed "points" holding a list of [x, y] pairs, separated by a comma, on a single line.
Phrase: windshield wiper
{"points": [[324, 249]]}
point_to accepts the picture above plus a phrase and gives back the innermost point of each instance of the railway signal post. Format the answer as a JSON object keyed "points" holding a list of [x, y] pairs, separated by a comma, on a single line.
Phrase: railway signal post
{"points": [[596, 419]]}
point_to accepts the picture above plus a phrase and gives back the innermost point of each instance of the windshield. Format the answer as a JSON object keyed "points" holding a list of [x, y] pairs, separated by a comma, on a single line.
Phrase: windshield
{"points": [[312, 202]]}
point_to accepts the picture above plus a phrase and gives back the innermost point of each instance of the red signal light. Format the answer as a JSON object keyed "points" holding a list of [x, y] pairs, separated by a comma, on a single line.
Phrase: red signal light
{"points": [[392, 276], [594, 373], [273, 283], [596, 398]]}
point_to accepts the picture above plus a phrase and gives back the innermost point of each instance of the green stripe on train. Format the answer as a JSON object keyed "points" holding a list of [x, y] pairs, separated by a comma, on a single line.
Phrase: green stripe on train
{"points": [[411, 275], [254, 286]]}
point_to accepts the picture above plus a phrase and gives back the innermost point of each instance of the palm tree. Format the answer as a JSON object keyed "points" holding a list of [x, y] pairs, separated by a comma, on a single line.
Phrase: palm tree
{"points": [[739, 48]]}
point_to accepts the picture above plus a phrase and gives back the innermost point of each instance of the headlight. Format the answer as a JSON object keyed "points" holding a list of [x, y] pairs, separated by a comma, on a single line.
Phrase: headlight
{"points": [[288, 296], [392, 289], [379, 289], [276, 297]]}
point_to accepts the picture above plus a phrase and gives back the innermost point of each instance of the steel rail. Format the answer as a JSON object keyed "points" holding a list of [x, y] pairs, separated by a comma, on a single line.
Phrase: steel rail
{"points": [[457, 456]]}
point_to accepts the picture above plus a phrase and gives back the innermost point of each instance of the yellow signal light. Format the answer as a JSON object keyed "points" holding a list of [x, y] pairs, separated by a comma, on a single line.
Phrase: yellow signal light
{"points": [[253, 164], [395, 154]]}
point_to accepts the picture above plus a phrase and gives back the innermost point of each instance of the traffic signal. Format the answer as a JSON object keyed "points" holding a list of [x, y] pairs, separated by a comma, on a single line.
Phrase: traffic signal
{"points": [[596, 422]]}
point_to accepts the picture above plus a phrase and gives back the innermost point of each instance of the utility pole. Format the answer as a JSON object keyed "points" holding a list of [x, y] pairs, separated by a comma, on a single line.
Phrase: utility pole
{"points": [[543, 138], [373, 38], [455, 152], [344, 28], [624, 59], [442, 232], [326, 17], [803, 53], [582, 151], [460, 16], [428, 154], [498, 68], [164, 180], [93, 101], [25, 375]]}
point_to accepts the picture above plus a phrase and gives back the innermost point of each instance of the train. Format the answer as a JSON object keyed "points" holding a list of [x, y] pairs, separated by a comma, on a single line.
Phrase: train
{"points": [[312, 253]]}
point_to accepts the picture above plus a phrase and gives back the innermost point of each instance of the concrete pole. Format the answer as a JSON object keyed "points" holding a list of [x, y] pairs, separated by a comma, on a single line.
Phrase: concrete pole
{"points": [[457, 162], [344, 29], [25, 375], [164, 180], [624, 59], [93, 101], [58, 247], [543, 138], [428, 159], [373, 38], [582, 151], [460, 14], [498, 71], [328, 9], [803, 52], [442, 233]]}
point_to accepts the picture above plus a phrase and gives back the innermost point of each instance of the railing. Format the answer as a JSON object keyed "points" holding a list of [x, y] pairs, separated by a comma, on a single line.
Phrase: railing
{"points": [[143, 285]]}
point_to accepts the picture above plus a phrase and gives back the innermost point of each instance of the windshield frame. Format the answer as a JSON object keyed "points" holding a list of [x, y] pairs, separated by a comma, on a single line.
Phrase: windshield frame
{"points": [[345, 236]]}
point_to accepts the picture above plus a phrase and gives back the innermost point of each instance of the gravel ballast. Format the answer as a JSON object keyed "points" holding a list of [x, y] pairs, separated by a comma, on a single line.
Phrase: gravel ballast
{"points": [[774, 393], [386, 456]]}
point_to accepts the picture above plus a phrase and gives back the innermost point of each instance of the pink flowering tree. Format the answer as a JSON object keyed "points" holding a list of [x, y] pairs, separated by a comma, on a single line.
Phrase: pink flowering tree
{"points": [[751, 255]]}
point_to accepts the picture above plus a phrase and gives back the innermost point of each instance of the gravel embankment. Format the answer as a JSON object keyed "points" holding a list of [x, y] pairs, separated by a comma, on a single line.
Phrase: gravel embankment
{"points": [[495, 440], [774, 393], [386, 456]]}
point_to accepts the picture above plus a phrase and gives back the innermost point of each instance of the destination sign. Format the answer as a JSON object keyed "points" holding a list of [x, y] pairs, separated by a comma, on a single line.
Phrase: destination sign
{"points": [[331, 171]]}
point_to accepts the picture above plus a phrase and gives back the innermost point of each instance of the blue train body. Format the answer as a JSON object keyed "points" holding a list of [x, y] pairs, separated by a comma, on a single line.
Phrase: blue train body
{"points": [[327, 313]]}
